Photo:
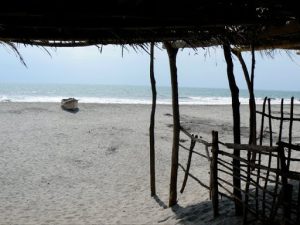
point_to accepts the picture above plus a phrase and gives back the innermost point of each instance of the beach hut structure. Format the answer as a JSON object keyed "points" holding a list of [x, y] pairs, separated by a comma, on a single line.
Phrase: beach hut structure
{"points": [[237, 26]]}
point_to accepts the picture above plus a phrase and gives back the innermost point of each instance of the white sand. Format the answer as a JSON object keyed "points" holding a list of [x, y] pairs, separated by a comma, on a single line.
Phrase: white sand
{"points": [[92, 167]]}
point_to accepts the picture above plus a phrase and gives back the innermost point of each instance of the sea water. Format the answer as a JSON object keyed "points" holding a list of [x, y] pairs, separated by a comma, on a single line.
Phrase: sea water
{"points": [[131, 94]]}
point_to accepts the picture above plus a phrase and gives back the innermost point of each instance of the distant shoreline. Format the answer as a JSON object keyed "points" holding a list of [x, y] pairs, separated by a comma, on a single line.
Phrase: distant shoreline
{"points": [[133, 95], [142, 104]]}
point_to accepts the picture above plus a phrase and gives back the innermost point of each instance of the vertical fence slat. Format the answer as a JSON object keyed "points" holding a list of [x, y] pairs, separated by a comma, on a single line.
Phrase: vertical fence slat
{"points": [[281, 120], [286, 188], [290, 132], [269, 160], [247, 188], [274, 208], [261, 137], [270, 122], [298, 209], [259, 154]]}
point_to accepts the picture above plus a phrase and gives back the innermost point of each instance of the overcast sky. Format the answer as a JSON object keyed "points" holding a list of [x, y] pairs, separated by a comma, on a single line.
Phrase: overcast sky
{"points": [[87, 65]]}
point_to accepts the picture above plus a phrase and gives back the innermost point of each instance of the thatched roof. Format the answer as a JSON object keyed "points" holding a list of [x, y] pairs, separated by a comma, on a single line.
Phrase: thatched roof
{"points": [[204, 22]]}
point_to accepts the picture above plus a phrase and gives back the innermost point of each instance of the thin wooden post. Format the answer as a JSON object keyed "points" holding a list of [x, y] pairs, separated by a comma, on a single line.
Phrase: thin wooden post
{"points": [[188, 165], [298, 206], [290, 132], [259, 154], [152, 122], [269, 160], [261, 136], [281, 120], [214, 173], [274, 208], [172, 53], [287, 189], [270, 122], [248, 181], [288, 196], [236, 128]]}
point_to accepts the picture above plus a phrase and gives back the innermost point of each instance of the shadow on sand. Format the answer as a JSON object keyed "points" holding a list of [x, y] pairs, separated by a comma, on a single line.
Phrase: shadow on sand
{"points": [[160, 202], [202, 213], [74, 111]]}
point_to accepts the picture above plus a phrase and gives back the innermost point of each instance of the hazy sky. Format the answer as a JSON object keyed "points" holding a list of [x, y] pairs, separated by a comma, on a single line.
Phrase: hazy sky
{"points": [[88, 66]]}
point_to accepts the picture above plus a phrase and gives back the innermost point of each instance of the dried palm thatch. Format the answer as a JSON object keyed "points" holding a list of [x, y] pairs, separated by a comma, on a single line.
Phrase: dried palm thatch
{"points": [[268, 23]]}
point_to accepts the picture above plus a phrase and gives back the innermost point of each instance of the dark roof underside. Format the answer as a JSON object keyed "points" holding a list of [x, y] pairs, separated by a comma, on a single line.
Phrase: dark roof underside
{"points": [[206, 22]]}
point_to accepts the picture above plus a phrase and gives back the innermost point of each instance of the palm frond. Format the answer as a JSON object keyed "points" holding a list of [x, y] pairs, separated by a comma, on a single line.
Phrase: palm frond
{"points": [[15, 50]]}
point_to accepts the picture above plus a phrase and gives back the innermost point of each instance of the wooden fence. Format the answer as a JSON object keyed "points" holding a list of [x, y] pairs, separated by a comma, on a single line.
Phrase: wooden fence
{"points": [[267, 184], [271, 190]]}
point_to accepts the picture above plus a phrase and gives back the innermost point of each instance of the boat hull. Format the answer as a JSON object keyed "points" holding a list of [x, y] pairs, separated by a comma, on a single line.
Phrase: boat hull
{"points": [[69, 104]]}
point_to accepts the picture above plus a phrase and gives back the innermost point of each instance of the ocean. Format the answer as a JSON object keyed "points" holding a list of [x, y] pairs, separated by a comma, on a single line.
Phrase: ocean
{"points": [[130, 94]]}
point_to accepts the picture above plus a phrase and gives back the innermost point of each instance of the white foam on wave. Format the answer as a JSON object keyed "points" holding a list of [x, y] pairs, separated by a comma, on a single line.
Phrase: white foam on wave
{"points": [[227, 101], [194, 100], [21, 98]]}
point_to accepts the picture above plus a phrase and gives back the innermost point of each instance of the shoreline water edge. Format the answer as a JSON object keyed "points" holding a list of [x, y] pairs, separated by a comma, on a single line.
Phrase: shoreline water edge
{"points": [[105, 94]]}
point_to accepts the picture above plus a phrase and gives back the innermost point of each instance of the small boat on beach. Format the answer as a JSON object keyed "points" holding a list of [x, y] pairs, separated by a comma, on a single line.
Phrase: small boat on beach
{"points": [[69, 104]]}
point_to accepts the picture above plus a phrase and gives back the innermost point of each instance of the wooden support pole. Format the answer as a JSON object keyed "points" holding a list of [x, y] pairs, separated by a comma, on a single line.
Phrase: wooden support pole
{"points": [[252, 105], [214, 173], [152, 122], [250, 84], [236, 128], [172, 53]]}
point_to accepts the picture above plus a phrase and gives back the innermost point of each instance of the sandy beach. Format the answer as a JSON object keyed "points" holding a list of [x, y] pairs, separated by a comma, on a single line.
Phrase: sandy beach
{"points": [[92, 167]]}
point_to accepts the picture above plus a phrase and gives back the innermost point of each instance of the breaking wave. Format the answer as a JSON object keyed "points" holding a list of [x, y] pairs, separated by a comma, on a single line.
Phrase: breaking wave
{"points": [[192, 100]]}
